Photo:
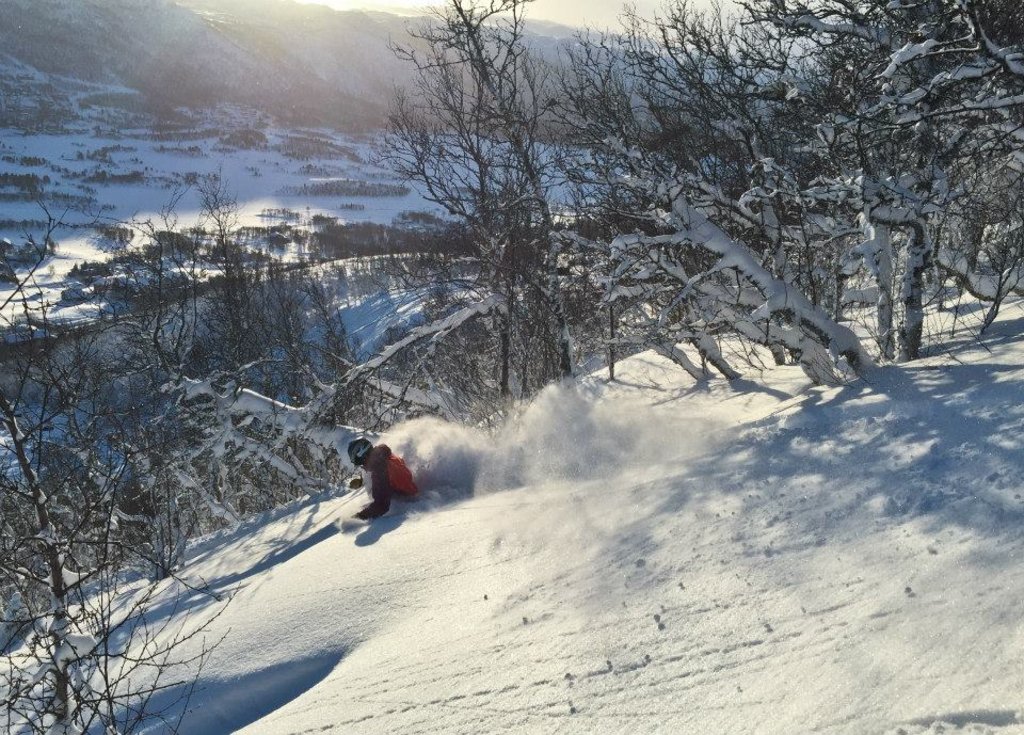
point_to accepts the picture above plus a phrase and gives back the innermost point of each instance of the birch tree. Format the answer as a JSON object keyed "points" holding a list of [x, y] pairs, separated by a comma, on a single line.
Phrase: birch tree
{"points": [[941, 96], [707, 137], [474, 138], [74, 640]]}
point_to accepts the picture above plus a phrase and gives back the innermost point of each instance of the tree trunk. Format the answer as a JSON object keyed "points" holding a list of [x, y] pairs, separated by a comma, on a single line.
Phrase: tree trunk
{"points": [[611, 343], [60, 706], [918, 256], [505, 355], [882, 269]]}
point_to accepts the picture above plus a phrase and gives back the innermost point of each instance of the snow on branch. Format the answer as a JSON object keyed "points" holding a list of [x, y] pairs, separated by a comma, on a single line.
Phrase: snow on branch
{"points": [[244, 427], [983, 286], [1011, 61], [834, 26], [239, 413], [780, 299], [429, 333], [407, 394], [907, 53]]}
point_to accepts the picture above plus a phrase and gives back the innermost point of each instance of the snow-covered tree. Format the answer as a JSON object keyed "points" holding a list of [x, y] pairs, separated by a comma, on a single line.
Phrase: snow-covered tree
{"points": [[775, 174], [699, 128], [71, 641], [473, 137], [931, 101]]}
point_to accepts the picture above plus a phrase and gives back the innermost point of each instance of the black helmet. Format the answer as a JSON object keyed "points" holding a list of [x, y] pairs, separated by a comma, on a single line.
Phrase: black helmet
{"points": [[357, 451]]}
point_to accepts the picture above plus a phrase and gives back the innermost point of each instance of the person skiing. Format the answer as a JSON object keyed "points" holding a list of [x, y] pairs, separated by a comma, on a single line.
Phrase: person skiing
{"points": [[388, 476]]}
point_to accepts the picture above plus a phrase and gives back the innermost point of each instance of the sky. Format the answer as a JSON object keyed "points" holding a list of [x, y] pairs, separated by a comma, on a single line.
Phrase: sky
{"points": [[595, 13]]}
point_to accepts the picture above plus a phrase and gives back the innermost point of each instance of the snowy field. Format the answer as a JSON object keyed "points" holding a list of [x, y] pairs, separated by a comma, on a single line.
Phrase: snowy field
{"points": [[654, 557], [260, 179], [280, 183]]}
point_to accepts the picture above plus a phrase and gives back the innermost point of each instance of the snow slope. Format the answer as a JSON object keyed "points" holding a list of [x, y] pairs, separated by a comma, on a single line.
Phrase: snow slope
{"points": [[655, 557]]}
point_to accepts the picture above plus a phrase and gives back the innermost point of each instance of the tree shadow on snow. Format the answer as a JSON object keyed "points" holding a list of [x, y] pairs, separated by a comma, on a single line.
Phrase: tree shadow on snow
{"points": [[1003, 332], [280, 552], [991, 718], [941, 443], [200, 593]]}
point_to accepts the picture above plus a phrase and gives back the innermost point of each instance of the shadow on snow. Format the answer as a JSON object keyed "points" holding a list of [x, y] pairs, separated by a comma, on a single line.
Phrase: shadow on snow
{"points": [[231, 704]]}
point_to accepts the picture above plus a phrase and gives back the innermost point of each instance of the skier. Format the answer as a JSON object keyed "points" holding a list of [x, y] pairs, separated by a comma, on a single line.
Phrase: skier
{"points": [[388, 476]]}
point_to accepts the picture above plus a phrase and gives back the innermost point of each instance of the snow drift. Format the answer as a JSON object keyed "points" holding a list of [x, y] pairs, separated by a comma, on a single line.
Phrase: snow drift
{"points": [[565, 435]]}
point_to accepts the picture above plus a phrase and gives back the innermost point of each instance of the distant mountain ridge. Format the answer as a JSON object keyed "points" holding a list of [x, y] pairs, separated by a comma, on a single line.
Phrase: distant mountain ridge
{"points": [[302, 63]]}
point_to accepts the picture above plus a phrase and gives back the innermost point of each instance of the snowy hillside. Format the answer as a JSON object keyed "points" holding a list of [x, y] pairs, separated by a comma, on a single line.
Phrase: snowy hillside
{"points": [[175, 54], [654, 557], [304, 63]]}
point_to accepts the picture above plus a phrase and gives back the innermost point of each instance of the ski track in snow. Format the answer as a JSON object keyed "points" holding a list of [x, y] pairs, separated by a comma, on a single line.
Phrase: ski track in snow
{"points": [[710, 560]]}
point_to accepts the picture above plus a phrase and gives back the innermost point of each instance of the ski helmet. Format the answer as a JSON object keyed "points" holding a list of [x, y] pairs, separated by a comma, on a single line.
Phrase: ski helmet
{"points": [[357, 451]]}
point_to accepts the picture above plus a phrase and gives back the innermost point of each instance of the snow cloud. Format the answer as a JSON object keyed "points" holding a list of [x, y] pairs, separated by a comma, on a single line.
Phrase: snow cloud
{"points": [[563, 435]]}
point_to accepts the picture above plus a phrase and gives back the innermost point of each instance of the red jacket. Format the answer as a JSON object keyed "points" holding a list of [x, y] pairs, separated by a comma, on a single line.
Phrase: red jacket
{"points": [[388, 475]]}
